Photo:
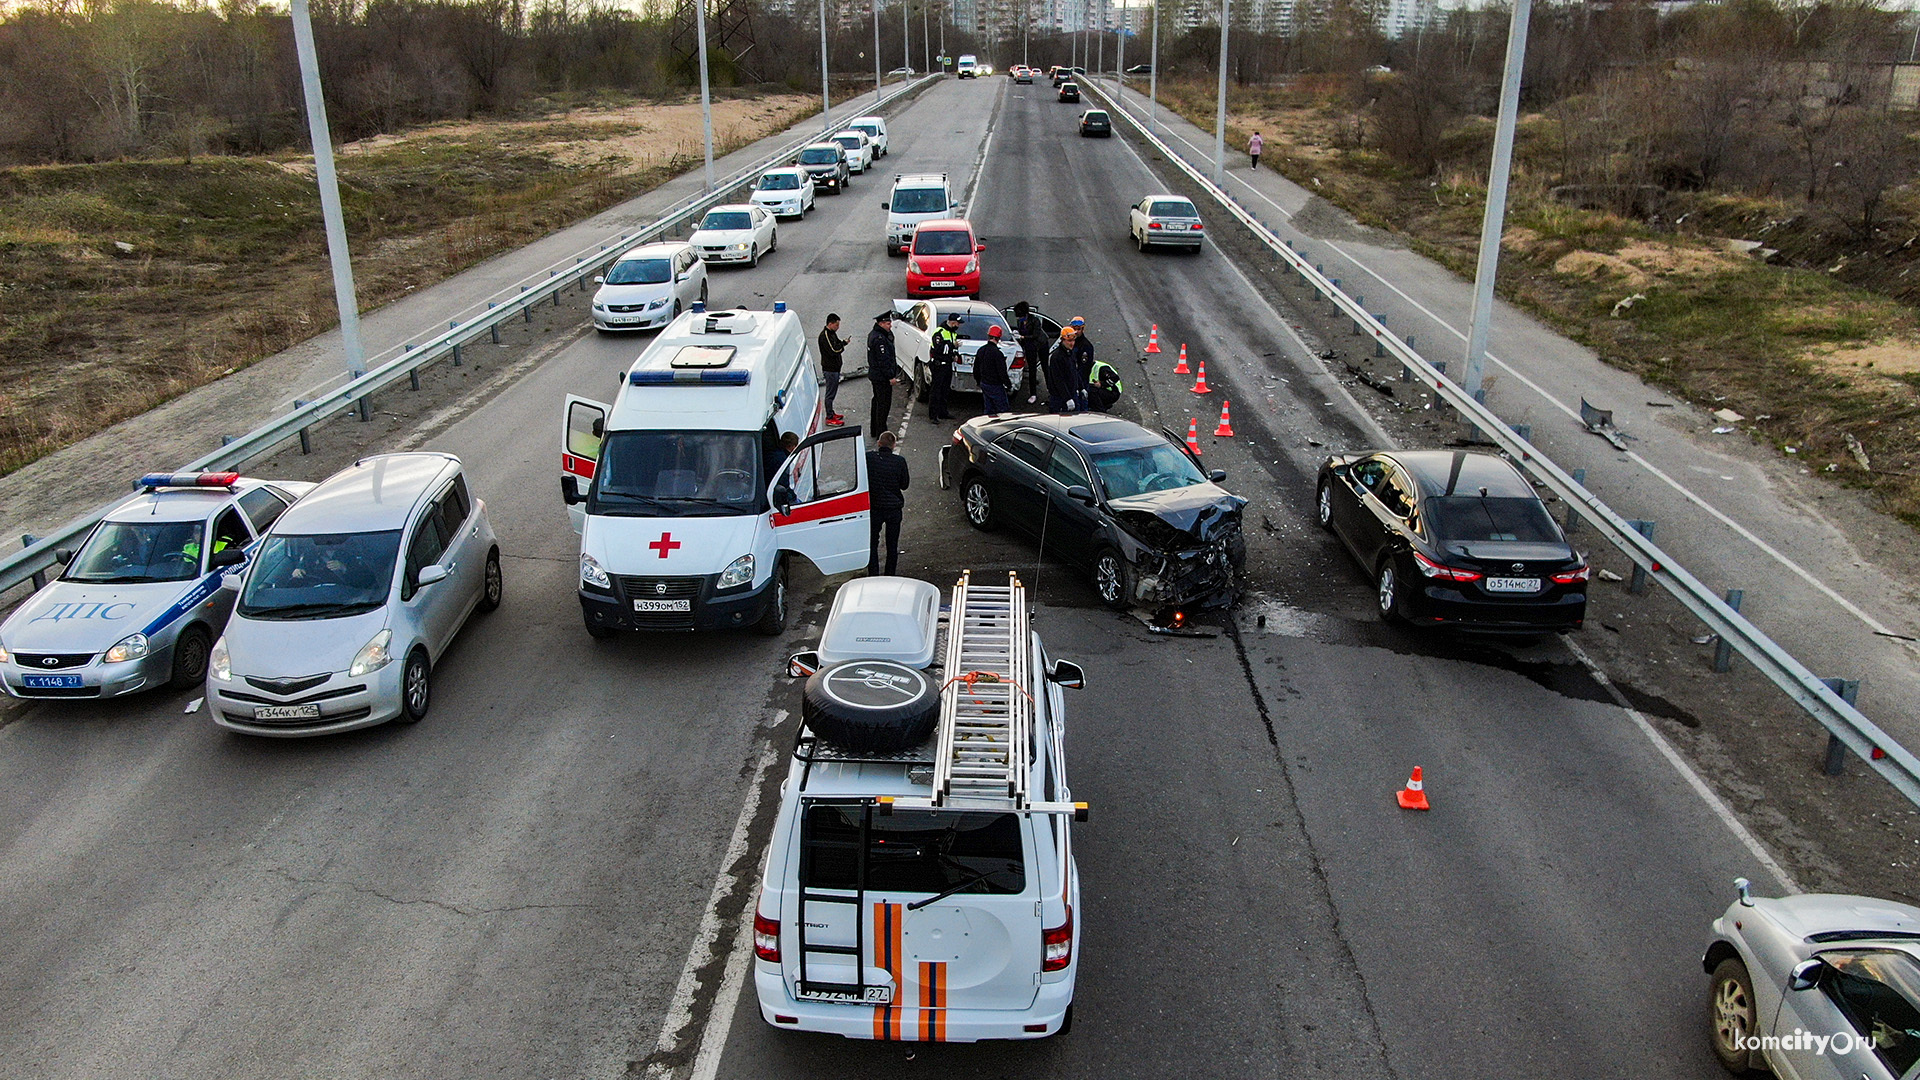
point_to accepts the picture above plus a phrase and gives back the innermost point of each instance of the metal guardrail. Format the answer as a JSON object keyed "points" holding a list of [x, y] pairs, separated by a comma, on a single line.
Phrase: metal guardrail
{"points": [[408, 358], [1897, 765]]}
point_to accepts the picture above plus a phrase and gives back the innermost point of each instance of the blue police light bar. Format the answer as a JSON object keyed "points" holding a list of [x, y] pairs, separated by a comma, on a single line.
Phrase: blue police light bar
{"points": [[689, 378], [188, 479]]}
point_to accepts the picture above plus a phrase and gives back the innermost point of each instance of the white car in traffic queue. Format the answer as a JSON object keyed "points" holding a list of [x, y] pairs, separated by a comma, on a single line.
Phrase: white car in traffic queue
{"points": [[876, 129], [140, 601], [352, 598], [859, 148], [648, 287], [735, 233], [784, 192], [1165, 221]]}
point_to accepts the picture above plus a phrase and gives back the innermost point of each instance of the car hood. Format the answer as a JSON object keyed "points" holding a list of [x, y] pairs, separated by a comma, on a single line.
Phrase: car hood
{"points": [[1818, 913], [716, 237], [72, 617], [1198, 512], [942, 264], [632, 294], [694, 546], [776, 197], [291, 648]]}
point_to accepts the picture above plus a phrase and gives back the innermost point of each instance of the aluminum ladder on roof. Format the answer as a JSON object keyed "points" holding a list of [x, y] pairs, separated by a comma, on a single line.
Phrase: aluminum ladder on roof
{"points": [[985, 752]]}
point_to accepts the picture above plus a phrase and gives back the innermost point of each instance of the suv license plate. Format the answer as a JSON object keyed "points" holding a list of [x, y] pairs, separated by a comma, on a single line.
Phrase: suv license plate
{"points": [[875, 995], [663, 605], [50, 682], [286, 712], [1513, 584]]}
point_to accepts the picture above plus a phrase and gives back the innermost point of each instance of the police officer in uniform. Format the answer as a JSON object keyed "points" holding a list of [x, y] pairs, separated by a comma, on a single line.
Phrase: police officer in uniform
{"points": [[941, 354], [882, 369]]}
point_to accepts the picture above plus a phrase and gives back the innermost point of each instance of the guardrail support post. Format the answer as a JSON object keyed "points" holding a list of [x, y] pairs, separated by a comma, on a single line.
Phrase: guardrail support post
{"points": [[556, 292], [1379, 345], [306, 440], [495, 328], [1722, 650], [1573, 515], [526, 309], [1849, 691], [1525, 431], [577, 261], [1638, 585], [456, 345], [39, 576], [229, 440], [366, 410]]}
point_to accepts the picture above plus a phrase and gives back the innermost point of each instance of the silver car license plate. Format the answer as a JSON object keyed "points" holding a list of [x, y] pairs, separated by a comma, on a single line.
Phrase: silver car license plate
{"points": [[50, 682], [1513, 584], [663, 605], [873, 995], [286, 712]]}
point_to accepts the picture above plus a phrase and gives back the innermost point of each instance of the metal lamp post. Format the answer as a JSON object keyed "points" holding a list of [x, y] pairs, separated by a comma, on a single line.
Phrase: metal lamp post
{"points": [[1493, 221], [344, 297], [876, 53], [1220, 108], [1153, 70], [826, 98], [706, 97]]}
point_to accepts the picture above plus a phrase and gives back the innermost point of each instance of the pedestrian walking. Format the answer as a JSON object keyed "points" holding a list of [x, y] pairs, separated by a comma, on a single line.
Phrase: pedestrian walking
{"points": [[990, 371], [941, 355], [1063, 381], [1254, 146], [1033, 345], [882, 369], [833, 349], [886, 490]]}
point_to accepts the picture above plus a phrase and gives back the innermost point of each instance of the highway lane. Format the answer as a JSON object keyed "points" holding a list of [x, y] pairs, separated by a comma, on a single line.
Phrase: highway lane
{"points": [[511, 888]]}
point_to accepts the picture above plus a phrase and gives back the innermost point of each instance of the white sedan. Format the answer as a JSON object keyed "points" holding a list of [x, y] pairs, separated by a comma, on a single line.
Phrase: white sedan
{"points": [[739, 233], [859, 149], [784, 192], [1165, 220]]}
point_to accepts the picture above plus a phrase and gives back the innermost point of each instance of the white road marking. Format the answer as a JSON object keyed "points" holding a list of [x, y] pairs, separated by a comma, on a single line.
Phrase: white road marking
{"points": [[713, 1040]]}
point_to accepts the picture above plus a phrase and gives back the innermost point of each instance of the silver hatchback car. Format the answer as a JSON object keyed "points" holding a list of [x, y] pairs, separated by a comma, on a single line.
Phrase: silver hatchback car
{"points": [[382, 562]]}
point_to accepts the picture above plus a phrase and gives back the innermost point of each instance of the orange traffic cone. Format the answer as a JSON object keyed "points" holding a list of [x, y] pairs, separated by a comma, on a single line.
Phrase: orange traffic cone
{"points": [[1153, 340], [1193, 435], [1200, 384], [1225, 430], [1181, 368], [1414, 795]]}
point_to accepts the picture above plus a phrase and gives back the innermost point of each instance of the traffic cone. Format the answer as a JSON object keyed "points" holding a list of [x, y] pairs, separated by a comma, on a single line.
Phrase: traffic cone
{"points": [[1193, 435], [1414, 795], [1153, 340], [1181, 368], [1200, 384], [1225, 430]]}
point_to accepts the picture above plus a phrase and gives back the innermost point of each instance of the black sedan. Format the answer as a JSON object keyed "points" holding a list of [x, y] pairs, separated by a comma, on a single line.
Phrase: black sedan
{"points": [[1095, 122], [1130, 506], [1069, 91], [1454, 538]]}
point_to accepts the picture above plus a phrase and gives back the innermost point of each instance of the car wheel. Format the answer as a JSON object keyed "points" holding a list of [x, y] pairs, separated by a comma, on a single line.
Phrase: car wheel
{"points": [[773, 621], [1387, 595], [1113, 579], [598, 632], [416, 687], [190, 652], [753, 256], [676, 309], [773, 242], [978, 500], [1731, 1015], [494, 586], [922, 382], [1323, 506]]}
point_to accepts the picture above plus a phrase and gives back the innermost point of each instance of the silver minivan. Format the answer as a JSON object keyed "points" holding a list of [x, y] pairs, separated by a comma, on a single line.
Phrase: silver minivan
{"points": [[351, 599]]}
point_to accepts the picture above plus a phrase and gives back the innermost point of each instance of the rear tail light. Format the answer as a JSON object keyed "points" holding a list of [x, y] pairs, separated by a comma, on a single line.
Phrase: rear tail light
{"points": [[959, 439], [1195, 227], [1153, 225], [1058, 945], [766, 938], [1573, 576], [1445, 573]]}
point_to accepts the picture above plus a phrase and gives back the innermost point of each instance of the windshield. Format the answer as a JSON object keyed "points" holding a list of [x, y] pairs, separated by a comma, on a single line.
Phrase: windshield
{"points": [[135, 552], [1160, 467], [641, 272], [818, 155], [942, 242], [1468, 517], [679, 474], [324, 576], [1172, 208], [920, 201], [914, 851], [779, 181], [973, 325], [872, 131], [725, 221]]}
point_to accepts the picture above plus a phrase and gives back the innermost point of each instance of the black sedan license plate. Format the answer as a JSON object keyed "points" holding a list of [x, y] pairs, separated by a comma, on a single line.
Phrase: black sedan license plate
{"points": [[663, 605], [1513, 584], [286, 712], [50, 682]]}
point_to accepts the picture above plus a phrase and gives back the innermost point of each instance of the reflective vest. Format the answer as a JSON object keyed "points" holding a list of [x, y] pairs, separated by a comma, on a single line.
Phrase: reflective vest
{"points": [[946, 346], [1102, 368]]}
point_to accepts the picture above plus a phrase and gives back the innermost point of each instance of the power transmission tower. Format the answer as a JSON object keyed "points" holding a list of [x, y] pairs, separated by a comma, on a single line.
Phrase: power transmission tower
{"points": [[730, 40]]}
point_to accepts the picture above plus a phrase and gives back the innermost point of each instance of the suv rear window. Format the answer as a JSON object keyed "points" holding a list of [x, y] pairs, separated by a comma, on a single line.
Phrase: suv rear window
{"points": [[913, 851]]}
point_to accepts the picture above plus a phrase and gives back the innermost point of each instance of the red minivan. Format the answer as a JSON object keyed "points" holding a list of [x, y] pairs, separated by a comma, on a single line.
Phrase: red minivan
{"points": [[944, 260]]}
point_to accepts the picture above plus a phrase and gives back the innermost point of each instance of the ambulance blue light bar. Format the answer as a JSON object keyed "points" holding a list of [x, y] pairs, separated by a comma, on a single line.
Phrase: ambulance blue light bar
{"points": [[188, 479], [689, 378]]}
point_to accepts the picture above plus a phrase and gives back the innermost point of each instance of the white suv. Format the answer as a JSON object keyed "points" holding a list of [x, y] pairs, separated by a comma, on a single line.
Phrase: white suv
{"points": [[916, 199], [876, 129], [920, 883]]}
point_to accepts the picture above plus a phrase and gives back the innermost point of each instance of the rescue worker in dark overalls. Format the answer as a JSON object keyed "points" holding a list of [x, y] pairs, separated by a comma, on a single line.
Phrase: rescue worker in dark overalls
{"points": [[1103, 387], [942, 353]]}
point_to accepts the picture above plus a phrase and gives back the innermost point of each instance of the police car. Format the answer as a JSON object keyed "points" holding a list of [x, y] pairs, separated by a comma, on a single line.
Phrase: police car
{"points": [[140, 601]]}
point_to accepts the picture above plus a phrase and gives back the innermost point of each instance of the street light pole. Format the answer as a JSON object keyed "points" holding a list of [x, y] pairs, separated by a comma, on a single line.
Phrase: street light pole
{"points": [[926, 35], [876, 53], [1120, 49], [826, 99], [1220, 108], [1493, 221], [706, 97], [1026, 20], [344, 297], [1153, 69], [906, 41]]}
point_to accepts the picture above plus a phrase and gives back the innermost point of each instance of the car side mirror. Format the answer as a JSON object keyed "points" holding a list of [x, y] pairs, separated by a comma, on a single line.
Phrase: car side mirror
{"points": [[1341, 469], [1067, 674], [979, 247], [886, 206], [570, 490], [803, 663], [428, 575], [599, 279], [955, 208], [783, 498], [1806, 974], [63, 556], [1080, 493], [226, 557], [1218, 476]]}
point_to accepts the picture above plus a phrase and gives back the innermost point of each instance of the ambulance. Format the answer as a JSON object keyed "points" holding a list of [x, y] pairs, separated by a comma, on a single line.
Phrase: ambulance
{"points": [[688, 509]]}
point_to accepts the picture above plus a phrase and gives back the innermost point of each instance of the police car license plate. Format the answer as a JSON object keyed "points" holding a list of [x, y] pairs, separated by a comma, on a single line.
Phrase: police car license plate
{"points": [[1513, 584], [663, 605], [873, 995], [286, 712], [50, 682], [941, 284]]}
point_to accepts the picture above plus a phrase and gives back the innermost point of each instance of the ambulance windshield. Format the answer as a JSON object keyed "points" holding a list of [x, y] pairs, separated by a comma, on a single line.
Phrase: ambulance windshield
{"points": [[679, 474]]}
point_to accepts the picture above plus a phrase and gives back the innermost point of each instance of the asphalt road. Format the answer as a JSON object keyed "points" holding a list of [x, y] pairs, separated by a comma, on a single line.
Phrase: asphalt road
{"points": [[545, 877]]}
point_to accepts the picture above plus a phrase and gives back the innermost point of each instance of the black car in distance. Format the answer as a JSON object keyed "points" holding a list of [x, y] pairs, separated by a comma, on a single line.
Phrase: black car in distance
{"points": [[1096, 123], [1069, 91], [1452, 538]]}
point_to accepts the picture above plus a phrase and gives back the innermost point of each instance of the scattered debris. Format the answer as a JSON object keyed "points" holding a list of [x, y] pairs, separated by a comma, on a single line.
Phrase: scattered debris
{"points": [[1660, 404], [1600, 422], [1727, 416], [1859, 452], [194, 705], [1791, 449], [1608, 575], [1627, 302], [1725, 430], [1704, 639], [123, 247]]}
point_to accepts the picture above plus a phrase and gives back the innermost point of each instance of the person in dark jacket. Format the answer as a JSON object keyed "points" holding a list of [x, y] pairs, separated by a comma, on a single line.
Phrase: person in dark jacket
{"points": [[883, 369], [1063, 381], [1033, 342], [833, 348], [886, 486], [1082, 359], [990, 371]]}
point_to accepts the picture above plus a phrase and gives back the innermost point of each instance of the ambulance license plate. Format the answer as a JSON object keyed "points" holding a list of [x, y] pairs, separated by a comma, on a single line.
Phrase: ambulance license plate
{"points": [[50, 682], [286, 712], [874, 995], [1513, 584], [941, 284], [663, 605]]}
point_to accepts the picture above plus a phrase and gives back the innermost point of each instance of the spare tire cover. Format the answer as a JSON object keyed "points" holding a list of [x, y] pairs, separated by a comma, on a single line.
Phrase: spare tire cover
{"points": [[871, 706]]}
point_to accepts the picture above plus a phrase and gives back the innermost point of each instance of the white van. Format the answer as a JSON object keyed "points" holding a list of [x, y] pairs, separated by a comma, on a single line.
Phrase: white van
{"points": [[920, 883], [686, 507], [918, 198], [968, 67], [876, 129]]}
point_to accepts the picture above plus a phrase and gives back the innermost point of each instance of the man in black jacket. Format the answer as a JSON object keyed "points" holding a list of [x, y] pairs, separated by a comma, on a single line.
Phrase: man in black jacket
{"points": [[883, 370], [1033, 342], [1063, 375], [832, 348], [886, 486], [990, 371]]}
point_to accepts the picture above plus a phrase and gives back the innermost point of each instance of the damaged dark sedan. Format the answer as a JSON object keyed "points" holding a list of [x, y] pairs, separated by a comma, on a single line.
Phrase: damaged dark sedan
{"points": [[1130, 506]]}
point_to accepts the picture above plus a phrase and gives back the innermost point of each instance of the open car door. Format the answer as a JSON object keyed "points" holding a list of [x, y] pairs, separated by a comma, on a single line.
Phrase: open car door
{"points": [[820, 502], [583, 430]]}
